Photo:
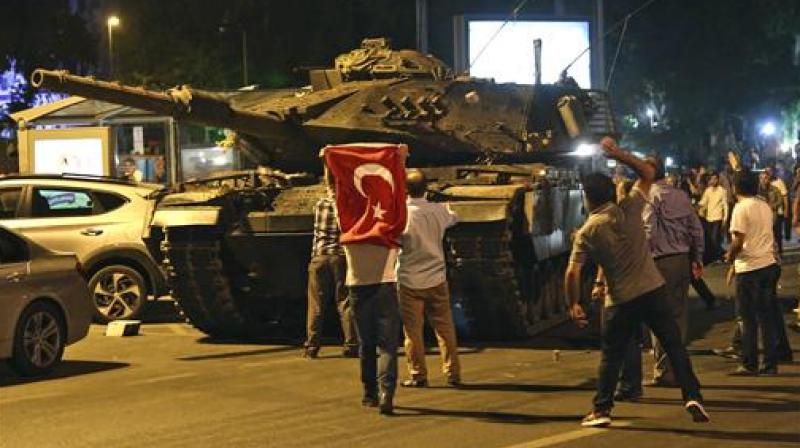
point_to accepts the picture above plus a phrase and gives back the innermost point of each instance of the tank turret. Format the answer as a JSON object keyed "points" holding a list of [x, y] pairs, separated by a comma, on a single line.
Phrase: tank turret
{"points": [[375, 93]]}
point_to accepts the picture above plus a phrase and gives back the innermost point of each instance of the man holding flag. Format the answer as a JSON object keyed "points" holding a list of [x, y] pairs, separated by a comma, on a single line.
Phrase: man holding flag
{"points": [[371, 202]]}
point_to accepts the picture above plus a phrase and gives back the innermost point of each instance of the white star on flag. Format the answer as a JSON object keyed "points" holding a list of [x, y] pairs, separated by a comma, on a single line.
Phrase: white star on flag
{"points": [[378, 212]]}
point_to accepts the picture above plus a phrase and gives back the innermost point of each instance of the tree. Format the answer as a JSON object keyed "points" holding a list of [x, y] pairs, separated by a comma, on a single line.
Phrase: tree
{"points": [[43, 33], [718, 65]]}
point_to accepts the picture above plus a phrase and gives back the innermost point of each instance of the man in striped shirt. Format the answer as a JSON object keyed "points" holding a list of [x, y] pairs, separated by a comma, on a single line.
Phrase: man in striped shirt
{"points": [[326, 274]]}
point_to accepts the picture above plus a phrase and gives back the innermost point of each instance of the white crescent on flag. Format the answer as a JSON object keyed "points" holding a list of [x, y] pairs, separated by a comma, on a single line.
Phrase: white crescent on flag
{"points": [[371, 169]]}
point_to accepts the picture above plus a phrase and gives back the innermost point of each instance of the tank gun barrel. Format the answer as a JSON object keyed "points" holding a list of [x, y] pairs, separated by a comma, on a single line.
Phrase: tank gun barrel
{"points": [[183, 103]]}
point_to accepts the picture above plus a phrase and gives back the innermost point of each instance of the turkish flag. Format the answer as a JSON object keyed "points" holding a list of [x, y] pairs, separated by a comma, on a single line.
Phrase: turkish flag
{"points": [[370, 191]]}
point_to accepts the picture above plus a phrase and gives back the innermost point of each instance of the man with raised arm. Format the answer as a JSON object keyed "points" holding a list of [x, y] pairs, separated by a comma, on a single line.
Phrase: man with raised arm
{"points": [[613, 237]]}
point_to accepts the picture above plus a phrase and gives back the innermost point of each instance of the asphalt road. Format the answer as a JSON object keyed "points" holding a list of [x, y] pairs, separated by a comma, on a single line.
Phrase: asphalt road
{"points": [[171, 387]]}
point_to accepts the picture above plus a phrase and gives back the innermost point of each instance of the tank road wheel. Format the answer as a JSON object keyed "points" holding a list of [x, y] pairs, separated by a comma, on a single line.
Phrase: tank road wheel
{"points": [[213, 291], [39, 340], [118, 292]]}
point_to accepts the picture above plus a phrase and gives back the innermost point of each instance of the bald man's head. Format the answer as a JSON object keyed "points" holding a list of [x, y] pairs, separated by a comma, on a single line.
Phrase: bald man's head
{"points": [[416, 183]]}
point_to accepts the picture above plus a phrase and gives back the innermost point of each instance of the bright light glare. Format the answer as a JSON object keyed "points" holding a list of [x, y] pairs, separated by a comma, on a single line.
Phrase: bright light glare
{"points": [[669, 162], [651, 113], [585, 150], [638, 154], [113, 21], [509, 57], [768, 129]]}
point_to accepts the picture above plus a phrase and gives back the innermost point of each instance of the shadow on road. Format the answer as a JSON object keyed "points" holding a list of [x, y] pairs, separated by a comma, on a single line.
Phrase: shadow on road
{"points": [[763, 405], [65, 370], [239, 354], [487, 416], [723, 435], [512, 387]]}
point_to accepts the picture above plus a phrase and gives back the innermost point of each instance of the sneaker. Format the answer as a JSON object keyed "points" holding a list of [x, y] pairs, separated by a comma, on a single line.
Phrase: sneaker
{"points": [[697, 411], [415, 383], [597, 419], [311, 352], [743, 371], [626, 395], [350, 352]]}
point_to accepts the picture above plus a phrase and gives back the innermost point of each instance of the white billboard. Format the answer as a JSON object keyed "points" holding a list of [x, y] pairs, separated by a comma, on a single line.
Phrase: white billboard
{"points": [[69, 155], [508, 57]]}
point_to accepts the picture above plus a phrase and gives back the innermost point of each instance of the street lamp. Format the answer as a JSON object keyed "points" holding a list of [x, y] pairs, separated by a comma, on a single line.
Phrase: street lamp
{"points": [[112, 22], [768, 129]]}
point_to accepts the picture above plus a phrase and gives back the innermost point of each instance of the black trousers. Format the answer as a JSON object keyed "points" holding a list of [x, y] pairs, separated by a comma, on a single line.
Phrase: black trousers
{"points": [[377, 317], [713, 247], [756, 306], [782, 346], [621, 323]]}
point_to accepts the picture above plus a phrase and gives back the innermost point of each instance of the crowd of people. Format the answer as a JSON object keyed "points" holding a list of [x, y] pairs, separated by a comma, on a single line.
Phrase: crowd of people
{"points": [[649, 238]]}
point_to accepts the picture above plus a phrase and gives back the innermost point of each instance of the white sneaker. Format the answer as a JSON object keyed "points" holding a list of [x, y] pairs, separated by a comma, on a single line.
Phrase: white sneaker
{"points": [[697, 411]]}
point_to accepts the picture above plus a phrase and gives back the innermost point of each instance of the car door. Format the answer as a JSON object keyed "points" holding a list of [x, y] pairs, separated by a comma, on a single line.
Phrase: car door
{"points": [[14, 273], [61, 219]]}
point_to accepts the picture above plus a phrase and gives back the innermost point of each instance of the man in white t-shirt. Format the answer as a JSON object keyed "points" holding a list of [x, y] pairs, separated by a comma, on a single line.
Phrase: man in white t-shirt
{"points": [[752, 254], [422, 280], [714, 209]]}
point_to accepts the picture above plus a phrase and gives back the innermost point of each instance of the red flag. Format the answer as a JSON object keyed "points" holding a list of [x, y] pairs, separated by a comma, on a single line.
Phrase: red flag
{"points": [[370, 191]]}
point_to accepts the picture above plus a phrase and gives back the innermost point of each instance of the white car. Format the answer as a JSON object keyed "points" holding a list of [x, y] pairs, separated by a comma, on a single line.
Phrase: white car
{"points": [[44, 304], [104, 222]]}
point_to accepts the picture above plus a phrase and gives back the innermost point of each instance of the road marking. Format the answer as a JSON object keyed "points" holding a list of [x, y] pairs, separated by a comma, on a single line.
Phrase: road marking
{"points": [[8, 400], [567, 436], [158, 379]]}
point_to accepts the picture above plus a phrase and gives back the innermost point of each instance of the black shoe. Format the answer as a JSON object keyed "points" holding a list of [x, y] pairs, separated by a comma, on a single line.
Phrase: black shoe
{"points": [[697, 411], [415, 383], [597, 419], [743, 371], [454, 382], [350, 352], [311, 352], [369, 401], [385, 406], [786, 358], [768, 371], [630, 396]]}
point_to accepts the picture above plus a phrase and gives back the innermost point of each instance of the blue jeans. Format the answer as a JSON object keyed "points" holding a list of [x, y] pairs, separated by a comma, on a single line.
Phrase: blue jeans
{"points": [[755, 304], [377, 318]]}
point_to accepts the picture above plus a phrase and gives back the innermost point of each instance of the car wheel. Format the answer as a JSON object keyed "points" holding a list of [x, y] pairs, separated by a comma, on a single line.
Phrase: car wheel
{"points": [[38, 340], [119, 292]]}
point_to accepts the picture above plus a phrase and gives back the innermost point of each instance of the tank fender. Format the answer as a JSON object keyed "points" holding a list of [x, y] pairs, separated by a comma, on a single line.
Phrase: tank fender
{"points": [[187, 216]]}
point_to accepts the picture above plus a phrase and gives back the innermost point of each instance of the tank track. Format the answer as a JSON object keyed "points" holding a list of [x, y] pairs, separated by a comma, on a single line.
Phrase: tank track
{"points": [[496, 294], [209, 288]]}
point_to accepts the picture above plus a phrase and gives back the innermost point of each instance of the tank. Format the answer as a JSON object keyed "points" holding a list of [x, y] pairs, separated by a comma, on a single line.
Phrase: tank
{"points": [[503, 156]]}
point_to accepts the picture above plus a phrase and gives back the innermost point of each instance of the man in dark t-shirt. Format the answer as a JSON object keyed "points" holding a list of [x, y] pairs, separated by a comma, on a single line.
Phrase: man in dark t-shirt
{"points": [[613, 236]]}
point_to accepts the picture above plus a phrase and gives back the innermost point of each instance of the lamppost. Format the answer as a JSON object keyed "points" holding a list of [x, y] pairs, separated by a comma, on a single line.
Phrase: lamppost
{"points": [[112, 22], [651, 113], [224, 28]]}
